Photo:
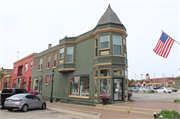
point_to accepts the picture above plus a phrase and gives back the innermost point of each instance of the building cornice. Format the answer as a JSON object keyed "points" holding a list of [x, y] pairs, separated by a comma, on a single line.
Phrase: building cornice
{"points": [[46, 53], [94, 34], [24, 58]]}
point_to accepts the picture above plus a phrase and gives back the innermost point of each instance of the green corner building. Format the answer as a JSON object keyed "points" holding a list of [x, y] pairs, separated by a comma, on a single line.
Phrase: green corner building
{"points": [[86, 66]]}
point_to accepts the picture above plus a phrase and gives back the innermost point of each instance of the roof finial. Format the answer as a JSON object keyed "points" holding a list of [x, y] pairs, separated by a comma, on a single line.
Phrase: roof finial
{"points": [[109, 5]]}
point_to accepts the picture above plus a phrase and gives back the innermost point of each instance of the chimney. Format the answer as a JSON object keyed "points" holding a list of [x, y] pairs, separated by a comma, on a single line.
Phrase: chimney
{"points": [[49, 46]]}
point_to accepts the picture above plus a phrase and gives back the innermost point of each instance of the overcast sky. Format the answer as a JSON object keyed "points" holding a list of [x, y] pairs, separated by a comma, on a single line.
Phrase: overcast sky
{"points": [[30, 26]]}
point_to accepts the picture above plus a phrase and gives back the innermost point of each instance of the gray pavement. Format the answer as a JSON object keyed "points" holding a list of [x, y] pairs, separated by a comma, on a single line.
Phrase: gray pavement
{"points": [[163, 97], [35, 114]]}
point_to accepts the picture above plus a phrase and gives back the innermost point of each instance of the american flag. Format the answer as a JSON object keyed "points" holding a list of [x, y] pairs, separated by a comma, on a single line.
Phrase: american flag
{"points": [[164, 45]]}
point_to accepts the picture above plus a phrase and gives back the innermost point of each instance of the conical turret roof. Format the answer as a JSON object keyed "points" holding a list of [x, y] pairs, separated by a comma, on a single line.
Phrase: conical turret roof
{"points": [[109, 17]]}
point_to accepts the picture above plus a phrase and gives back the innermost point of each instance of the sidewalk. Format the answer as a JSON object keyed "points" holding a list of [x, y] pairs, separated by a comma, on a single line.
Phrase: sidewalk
{"points": [[104, 114]]}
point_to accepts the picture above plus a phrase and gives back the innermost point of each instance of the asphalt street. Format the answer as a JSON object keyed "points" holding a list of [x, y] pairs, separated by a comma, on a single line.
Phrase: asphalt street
{"points": [[163, 97], [35, 114]]}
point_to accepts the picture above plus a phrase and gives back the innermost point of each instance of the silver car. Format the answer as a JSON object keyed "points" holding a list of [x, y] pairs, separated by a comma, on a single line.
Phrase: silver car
{"points": [[24, 102]]}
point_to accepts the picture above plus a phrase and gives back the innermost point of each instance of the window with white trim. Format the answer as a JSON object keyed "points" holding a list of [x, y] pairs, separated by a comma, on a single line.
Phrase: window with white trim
{"points": [[69, 54], [117, 45], [104, 42], [40, 64], [62, 53], [26, 67]]}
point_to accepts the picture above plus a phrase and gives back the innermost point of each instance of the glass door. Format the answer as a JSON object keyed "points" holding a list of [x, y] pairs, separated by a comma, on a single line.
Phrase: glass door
{"points": [[117, 89]]}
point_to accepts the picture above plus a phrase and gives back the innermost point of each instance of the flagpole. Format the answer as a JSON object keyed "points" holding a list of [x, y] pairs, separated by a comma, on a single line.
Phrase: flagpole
{"points": [[170, 37]]}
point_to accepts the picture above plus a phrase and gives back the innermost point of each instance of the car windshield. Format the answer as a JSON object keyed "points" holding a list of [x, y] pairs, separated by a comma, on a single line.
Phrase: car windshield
{"points": [[7, 91], [17, 96]]}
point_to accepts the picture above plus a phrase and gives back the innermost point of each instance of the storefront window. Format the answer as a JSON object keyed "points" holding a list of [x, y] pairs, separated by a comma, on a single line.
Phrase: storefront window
{"points": [[105, 86], [24, 85], [79, 86], [126, 90], [118, 72], [105, 72]]}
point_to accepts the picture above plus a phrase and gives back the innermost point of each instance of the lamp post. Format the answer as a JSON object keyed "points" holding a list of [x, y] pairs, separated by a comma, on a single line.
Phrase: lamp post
{"points": [[51, 100]]}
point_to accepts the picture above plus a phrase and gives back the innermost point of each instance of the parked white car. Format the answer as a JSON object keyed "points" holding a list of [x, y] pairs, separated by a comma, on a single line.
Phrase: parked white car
{"points": [[163, 90]]}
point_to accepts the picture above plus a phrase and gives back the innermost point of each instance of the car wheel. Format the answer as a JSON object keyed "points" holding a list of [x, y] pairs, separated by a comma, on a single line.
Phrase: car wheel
{"points": [[43, 106], [24, 108], [10, 109]]}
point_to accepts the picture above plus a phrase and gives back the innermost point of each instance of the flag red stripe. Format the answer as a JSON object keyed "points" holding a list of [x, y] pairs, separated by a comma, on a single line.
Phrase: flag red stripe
{"points": [[165, 47], [169, 48], [158, 46]]}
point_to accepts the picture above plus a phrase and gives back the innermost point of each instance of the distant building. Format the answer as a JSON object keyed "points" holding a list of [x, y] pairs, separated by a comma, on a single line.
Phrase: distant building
{"points": [[7, 78], [22, 73], [166, 81]]}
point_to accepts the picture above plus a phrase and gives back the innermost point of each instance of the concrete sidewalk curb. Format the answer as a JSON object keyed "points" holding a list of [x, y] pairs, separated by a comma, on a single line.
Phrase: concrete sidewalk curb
{"points": [[129, 110], [82, 113]]}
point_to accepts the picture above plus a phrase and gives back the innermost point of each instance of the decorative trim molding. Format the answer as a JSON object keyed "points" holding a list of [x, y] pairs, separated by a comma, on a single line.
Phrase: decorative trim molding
{"points": [[74, 96], [95, 33], [46, 53], [102, 64]]}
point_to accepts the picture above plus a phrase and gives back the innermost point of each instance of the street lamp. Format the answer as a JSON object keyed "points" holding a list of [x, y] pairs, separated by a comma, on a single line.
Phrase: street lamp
{"points": [[51, 100]]}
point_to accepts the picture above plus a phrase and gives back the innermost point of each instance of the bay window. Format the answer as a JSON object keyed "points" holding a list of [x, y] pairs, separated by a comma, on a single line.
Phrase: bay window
{"points": [[104, 42], [62, 53], [117, 45], [118, 72], [104, 72], [69, 54]]}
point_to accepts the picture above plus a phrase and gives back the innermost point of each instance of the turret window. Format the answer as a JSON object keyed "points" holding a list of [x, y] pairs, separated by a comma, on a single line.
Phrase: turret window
{"points": [[104, 42], [117, 45]]}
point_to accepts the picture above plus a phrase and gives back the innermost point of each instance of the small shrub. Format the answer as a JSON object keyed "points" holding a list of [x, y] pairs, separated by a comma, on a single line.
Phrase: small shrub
{"points": [[176, 100], [169, 114]]}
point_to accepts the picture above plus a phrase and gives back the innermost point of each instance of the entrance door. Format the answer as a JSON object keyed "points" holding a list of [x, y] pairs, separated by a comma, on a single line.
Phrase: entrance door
{"points": [[40, 87], [117, 90]]}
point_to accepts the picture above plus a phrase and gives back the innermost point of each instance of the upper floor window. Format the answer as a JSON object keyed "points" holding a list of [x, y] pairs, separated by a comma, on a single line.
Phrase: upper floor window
{"points": [[40, 64], [48, 61], [69, 54], [15, 70], [104, 42], [26, 67], [124, 44], [117, 45], [31, 64], [62, 53], [55, 60]]}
